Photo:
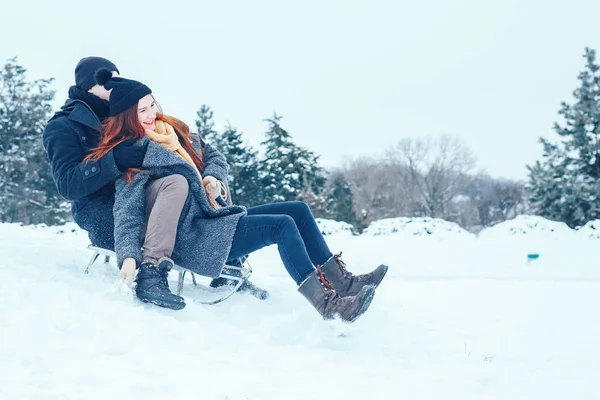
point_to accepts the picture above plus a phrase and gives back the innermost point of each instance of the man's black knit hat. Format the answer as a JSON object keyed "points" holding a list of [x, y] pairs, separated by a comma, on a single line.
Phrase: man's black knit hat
{"points": [[125, 92], [85, 71]]}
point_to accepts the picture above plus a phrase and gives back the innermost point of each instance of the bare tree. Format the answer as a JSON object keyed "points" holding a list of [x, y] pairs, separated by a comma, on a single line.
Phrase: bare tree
{"points": [[510, 197], [379, 189], [434, 178], [439, 172], [493, 200]]}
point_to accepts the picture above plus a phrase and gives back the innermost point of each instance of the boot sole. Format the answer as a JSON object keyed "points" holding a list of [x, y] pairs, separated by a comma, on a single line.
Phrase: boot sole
{"points": [[364, 306], [173, 305], [247, 287]]}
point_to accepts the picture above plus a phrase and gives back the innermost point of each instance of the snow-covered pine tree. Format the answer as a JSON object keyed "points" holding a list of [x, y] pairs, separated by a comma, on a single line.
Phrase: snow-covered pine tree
{"points": [[559, 191], [287, 169], [339, 199], [205, 128], [242, 158], [243, 168], [564, 185], [27, 191]]}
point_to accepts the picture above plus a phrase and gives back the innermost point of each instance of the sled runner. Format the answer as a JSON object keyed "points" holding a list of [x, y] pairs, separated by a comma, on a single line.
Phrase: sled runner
{"points": [[236, 272]]}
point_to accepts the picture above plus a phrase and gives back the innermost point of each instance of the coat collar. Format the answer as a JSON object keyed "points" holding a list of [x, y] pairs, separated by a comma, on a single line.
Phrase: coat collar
{"points": [[159, 156], [83, 114]]}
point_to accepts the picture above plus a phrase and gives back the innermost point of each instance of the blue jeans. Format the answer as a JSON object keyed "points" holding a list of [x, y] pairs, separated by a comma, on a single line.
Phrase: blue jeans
{"points": [[292, 227]]}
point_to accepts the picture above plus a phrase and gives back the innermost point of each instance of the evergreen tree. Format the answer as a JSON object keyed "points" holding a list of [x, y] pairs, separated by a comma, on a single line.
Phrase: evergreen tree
{"points": [[340, 202], [287, 169], [243, 177], [27, 192], [564, 184], [559, 191], [205, 127], [243, 168]]}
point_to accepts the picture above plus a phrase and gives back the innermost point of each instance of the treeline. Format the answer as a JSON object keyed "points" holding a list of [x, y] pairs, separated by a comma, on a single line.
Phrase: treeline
{"points": [[416, 178], [433, 177]]}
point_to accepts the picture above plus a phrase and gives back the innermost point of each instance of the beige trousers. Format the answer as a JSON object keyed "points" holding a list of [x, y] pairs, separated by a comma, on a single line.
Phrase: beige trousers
{"points": [[165, 198]]}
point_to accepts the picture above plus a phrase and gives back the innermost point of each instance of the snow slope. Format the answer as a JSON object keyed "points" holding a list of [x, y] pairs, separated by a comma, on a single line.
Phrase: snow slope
{"points": [[456, 317], [591, 230]]}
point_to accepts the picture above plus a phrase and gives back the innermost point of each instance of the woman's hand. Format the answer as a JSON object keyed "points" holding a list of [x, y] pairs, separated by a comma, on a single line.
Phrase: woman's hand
{"points": [[211, 186], [127, 273], [127, 155]]}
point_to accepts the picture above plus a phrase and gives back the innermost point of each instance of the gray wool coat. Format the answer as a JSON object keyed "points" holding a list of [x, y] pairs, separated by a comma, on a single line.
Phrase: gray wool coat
{"points": [[204, 235]]}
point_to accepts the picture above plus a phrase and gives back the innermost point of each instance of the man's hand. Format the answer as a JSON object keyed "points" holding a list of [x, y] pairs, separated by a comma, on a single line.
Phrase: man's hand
{"points": [[211, 186]]}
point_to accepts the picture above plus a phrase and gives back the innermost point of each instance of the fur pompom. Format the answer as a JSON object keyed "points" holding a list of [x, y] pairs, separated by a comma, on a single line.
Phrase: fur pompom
{"points": [[103, 76]]}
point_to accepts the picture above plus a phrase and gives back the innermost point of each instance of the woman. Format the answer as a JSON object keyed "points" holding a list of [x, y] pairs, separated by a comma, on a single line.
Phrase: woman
{"points": [[180, 185]]}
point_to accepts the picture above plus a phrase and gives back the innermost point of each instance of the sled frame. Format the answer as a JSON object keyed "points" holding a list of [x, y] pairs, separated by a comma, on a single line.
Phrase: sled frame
{"points": [[244, 270]]}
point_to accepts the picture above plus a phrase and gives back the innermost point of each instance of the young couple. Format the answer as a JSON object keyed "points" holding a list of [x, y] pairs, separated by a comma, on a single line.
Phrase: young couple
{"points": [[140, 183]]}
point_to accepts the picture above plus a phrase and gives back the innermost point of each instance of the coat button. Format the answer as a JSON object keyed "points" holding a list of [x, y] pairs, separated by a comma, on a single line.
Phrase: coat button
{"points": [[86, 173], [93, 169], [83, 138]]}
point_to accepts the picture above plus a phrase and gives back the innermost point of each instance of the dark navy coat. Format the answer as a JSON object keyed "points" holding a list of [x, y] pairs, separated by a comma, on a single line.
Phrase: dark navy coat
{"points": [[70, 135]]}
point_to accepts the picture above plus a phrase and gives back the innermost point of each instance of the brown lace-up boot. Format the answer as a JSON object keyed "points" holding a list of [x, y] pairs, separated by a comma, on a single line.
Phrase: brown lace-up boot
{"points": [[347, 284], [319, 292]]}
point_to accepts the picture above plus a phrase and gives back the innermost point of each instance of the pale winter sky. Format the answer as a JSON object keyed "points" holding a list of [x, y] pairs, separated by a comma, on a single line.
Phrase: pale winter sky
{"points": [[351, 78]]}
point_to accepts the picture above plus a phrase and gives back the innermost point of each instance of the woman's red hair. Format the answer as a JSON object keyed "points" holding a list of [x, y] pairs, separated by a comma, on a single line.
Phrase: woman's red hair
{"points": [[115, 130]]}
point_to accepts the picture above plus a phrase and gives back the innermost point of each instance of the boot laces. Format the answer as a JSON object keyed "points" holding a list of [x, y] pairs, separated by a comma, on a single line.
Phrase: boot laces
{"points": [[342, 265], [323, 279], [153, 276], [164, 273], [164, 270], [345, 272]]}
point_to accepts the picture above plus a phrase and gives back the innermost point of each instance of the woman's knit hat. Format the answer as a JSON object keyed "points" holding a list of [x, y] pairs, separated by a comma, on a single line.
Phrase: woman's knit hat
{"points": [[125, 92]]}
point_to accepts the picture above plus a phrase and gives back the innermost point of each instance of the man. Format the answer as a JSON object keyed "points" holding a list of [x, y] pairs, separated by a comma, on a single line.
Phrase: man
{"points": [[70, 136]]}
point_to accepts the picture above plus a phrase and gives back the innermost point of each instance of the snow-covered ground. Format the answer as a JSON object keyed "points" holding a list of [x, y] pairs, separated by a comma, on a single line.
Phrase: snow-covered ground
{"points": [[458, 316], [415, 227]]}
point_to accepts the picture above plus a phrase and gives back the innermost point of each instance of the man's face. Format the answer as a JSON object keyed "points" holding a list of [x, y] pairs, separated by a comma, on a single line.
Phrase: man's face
{"points": [[100, 91]]}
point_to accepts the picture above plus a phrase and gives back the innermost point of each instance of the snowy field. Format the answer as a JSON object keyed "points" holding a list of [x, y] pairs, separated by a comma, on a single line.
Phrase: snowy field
{"points": [[457, 317]]}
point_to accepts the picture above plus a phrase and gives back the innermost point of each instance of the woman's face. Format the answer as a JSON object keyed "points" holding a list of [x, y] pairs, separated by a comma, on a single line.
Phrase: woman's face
{"points": [[147, 112]]}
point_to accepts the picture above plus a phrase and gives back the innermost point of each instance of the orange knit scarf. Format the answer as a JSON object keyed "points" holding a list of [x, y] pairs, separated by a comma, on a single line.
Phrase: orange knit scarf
{"points": [[165, 135]]}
